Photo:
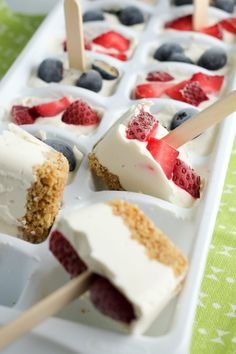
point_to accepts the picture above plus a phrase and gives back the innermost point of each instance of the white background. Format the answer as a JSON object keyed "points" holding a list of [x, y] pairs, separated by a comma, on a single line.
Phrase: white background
{"points": [[32, 6]]}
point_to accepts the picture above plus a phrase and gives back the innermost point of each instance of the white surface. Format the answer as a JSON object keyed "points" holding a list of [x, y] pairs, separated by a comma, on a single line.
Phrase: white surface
{"points": [[37, 273], [31, 6]]}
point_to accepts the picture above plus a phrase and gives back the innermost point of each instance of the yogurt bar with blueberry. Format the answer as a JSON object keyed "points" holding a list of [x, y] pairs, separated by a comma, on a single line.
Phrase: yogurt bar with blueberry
{"points": [[130, 16], [99, 77], [213, 58], [225, 5]]}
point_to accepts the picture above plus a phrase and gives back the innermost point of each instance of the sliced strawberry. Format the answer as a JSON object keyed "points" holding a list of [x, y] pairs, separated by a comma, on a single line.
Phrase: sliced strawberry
{"points": [[209, 83], [87, 45], [188, 91], [50, 109], [186, 178], [110, 301], [153, 90], [80, 113], [214, 31], [181, 24], [113, 40], [22, 115], [142, 127], [66, 254], [229, 24], [164, 154], [159, 76]]}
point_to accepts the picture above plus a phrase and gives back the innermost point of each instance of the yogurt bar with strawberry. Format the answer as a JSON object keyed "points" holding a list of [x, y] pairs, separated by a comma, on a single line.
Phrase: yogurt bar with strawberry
{"points": [[130, 16], [105, 40], [67, 113], [141, 162], [222, 29], [199, 89], [103, 238]]}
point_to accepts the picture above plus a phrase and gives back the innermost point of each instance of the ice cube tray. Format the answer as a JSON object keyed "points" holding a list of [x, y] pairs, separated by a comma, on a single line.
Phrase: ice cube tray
{"points": [[29, 272]]}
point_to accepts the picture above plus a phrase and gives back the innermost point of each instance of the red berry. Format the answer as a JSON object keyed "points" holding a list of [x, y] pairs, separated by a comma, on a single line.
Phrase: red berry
{"points": [[110, 301], [50, 109], [159, 76], [188, 91], [22, 115], [209, 83], [229, 24], [80, 113], [66, 254], [153, 90], [164, 154], [186, 178], [214, 31], [113, 40], [142, 127], [183, 23]]}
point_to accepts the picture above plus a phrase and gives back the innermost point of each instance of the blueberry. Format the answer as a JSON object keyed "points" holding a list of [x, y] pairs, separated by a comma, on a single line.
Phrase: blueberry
{"points": [[180, 57], [213, 59], [51, 70], [225, 5], [182, 2], [107, 71], [165, 50], [65, 149], [131, 15], [93, 15], [90, 80], [181, 116]]}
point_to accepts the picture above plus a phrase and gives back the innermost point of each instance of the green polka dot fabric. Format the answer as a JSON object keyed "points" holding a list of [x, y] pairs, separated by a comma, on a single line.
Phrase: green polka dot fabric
{"points": [[215, 323]]}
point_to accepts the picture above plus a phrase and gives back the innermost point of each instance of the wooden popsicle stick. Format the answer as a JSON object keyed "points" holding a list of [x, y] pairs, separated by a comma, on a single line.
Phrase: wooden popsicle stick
{"points": [[44, 309], [202, 121], [200, 14], [74, 34]]}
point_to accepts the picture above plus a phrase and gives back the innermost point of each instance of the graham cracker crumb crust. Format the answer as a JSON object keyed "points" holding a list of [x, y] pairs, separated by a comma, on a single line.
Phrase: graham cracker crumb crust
{"points": [[111, 180], [44, 198], [158, 246]]}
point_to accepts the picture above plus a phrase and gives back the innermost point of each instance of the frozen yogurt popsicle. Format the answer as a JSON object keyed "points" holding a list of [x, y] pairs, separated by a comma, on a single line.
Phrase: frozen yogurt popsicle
{"points": [[139, 162], [99, 77], [212, 58], [224, 30], [130, 16], [74, 115], [32, 180], [138, 268], [199, 90]]}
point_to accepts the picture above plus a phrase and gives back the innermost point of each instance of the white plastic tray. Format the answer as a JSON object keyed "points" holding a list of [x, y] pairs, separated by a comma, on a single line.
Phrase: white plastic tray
{"points": [[29, 272]]}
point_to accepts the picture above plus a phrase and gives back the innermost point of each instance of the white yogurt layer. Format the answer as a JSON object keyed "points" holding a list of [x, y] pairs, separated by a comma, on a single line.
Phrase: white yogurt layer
{"points": [[70, 76], [146, 283], [137, 170], [52, 121], [20, 153]]}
